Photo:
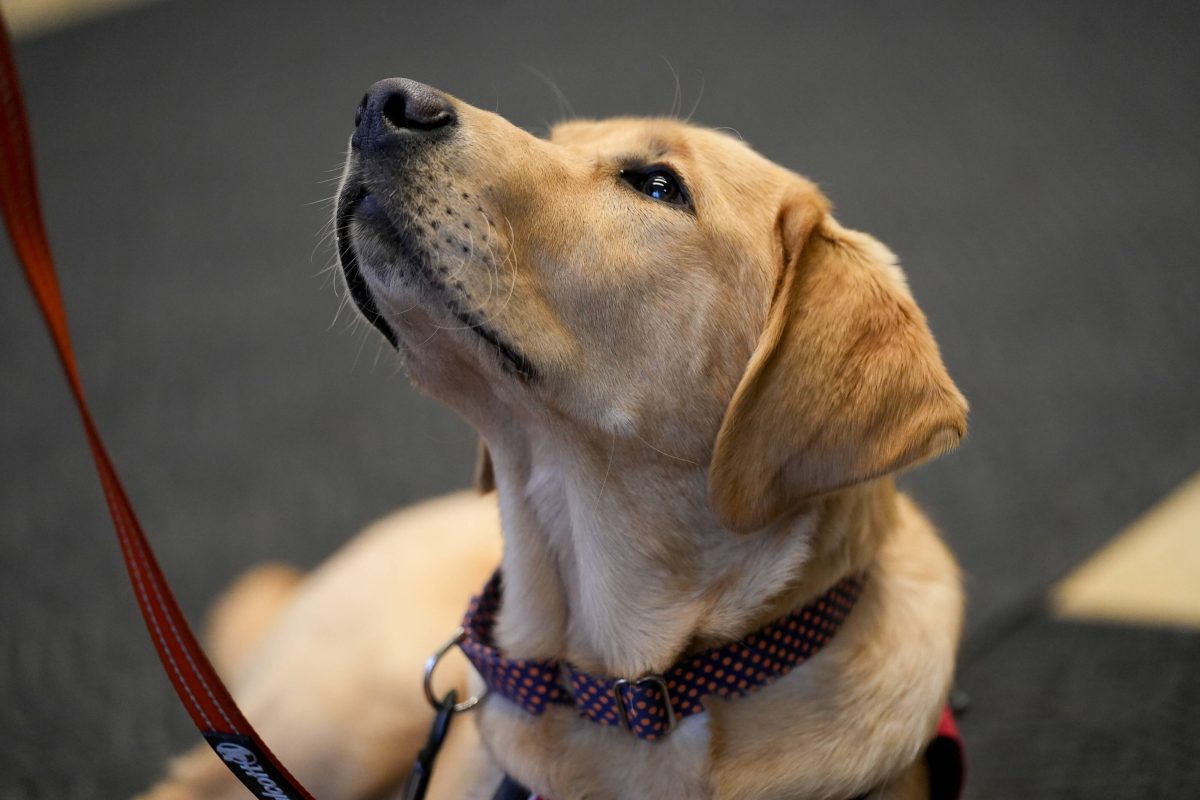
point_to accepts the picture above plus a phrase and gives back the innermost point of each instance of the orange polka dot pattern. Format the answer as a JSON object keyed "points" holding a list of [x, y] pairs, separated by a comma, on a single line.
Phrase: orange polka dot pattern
{"points": [[730, 670]]}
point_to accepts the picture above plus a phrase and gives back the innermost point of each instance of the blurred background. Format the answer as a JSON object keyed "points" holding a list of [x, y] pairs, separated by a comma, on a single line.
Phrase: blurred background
{"points": [[1036, 166]]}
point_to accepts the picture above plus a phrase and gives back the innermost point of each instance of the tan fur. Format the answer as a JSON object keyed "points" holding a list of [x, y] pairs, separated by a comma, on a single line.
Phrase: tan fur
{"points": [[846, 384], [719, 401], [245, 612], [334, 687]]}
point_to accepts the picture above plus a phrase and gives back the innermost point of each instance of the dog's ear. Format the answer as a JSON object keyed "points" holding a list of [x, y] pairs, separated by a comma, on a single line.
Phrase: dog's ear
{"points": [[485, 477], [846, 383]]}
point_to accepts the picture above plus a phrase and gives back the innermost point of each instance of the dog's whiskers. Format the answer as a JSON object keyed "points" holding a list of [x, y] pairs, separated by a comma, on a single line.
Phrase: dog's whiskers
{"points": [[604, 482], [677, 100], [663, 452], [325, 239], [505, 262], [328, 272], [696, 105], [564, 104], [331, 200]]}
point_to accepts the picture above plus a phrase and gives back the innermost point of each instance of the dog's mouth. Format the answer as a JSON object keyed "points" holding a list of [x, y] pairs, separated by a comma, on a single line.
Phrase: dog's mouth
{"points": [[348, 203], [352, 201]]}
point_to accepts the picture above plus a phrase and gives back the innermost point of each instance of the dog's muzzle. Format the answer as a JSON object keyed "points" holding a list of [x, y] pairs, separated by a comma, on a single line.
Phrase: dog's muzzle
{"points": [[394, 116]]}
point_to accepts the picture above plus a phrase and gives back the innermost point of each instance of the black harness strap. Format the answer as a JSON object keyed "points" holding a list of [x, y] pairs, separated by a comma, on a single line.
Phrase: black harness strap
{"points": [[511, 790], [418, 781]]}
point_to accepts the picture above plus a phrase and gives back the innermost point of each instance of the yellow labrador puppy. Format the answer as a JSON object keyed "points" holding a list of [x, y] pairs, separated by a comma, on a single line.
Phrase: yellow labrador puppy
{"points": [[695, 386]]}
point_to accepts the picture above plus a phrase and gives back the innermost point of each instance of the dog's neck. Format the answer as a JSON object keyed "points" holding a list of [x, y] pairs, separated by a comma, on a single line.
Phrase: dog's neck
{"points": [[613, 560]]}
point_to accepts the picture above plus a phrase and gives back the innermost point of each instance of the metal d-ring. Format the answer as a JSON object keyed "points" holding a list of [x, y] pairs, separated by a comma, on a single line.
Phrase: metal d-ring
{"points": [[431, 664]]}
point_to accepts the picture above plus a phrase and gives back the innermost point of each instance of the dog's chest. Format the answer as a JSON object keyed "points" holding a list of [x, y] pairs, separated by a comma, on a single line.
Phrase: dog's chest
{"points": [[573, 757]]}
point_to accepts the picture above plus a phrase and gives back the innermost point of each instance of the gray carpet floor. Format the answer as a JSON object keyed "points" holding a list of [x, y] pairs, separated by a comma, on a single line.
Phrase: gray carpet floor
{"points": [[1064, 710], [1035, 166]]}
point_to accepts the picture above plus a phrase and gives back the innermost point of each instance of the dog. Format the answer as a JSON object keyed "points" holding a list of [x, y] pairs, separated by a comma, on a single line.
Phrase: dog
{"points": [[694, 387]]}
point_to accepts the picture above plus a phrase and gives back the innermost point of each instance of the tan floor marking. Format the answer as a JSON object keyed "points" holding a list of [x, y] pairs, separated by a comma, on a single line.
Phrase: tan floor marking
{"points": [[30, 17], [1149, 574]]}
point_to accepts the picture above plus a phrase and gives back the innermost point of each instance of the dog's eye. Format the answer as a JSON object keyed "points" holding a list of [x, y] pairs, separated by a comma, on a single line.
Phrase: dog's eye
{"points": [[658, 183], [662, 186]]}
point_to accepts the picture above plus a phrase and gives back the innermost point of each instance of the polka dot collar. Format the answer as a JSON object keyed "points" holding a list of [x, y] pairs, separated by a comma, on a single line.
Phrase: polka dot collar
{"points": [[649, 707]]}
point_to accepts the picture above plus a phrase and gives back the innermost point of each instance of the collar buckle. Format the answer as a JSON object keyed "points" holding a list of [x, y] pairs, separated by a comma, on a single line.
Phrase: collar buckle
{"points": [[617, 692]]}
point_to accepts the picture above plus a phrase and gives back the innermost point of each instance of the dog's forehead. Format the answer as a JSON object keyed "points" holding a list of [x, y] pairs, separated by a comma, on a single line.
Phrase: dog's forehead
{"points": [[650, 138]]}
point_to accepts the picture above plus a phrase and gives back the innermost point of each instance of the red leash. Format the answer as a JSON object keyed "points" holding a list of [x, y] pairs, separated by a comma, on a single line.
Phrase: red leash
{"points": [[207, 700]]}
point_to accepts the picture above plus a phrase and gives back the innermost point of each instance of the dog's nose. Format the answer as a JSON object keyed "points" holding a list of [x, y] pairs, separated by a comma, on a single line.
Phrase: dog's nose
{"points": [[397, 107]]}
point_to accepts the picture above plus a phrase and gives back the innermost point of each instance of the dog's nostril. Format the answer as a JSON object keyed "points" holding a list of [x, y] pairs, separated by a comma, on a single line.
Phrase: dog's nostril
{"points": [[417, 110], [394, 108], [408, 105]]}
